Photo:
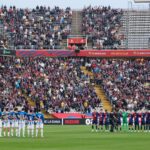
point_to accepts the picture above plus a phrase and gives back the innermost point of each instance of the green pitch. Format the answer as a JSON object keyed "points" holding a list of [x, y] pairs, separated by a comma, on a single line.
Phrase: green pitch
{"points": [[78, 138]]}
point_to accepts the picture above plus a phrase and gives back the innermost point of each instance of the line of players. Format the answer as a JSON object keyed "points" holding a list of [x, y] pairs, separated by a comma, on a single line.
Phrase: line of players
{"points": [[14, 123], [121, 121]]}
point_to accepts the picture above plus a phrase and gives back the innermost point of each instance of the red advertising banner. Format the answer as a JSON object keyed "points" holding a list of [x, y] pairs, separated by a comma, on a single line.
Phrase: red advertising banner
{"points": [[76, 41], [83, 53], [114, 53]]}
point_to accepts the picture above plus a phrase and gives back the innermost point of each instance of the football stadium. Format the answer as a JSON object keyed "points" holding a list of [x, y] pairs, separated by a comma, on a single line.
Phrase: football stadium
{"points": [[74, 75]]}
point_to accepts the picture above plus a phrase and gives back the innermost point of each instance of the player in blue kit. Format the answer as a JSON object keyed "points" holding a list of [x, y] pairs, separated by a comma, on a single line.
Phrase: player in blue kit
{"points": [[136, 121], [131, 122], [101, 120], [143, 121], [107, 121], [147, 121], [119, 121], [22, 115], [39, 123], [31, 118], [95, 116]]}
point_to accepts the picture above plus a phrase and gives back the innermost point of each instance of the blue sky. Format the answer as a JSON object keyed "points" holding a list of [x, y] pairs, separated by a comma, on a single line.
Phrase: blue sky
{"points": [[74, 4]]}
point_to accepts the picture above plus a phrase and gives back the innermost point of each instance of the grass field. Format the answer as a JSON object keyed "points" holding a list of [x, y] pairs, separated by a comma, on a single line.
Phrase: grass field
{"points": [[78, 138]]}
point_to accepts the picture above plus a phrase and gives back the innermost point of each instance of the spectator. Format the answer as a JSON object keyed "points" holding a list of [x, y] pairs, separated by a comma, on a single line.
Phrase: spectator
{"points": [[102, 25], [39, 28]]}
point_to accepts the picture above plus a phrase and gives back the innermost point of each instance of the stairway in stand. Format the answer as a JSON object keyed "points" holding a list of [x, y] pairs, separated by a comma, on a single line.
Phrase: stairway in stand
{"points": [[76, 23], [99, 91]]}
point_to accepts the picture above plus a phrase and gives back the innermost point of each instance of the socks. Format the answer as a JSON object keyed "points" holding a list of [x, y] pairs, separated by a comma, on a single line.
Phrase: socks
{"points": [[17, 130], [4, 133], [32, 132], [37, 132], [12, 132], [28, 132], [23, 130], [0, 132], [42, 133], [8, 133], [19, 133]]}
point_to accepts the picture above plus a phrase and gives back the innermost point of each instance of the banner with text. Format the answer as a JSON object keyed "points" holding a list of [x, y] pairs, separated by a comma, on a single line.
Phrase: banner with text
{"points": [[86, 121], [83, 53]]}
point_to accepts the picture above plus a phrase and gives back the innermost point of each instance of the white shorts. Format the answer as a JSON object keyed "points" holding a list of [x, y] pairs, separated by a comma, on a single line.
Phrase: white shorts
{"points": [[12, 124], [7, 124], [39, 126], [1, 124], [21, 124], [16, 124], [30, 125]]}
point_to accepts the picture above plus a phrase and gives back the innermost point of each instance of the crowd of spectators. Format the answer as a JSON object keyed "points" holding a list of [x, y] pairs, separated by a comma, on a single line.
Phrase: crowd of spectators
{"points": [[59, 85], [125, 82], [54, 84], [102, 25], [10, 97], [38, 28]]}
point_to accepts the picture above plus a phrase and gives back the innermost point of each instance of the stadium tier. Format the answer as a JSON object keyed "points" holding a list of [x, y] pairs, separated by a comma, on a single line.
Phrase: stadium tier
{"points": [[38, 28], [102, 25], [125, 82], [56, 85], [90, 28], [62, 84]]}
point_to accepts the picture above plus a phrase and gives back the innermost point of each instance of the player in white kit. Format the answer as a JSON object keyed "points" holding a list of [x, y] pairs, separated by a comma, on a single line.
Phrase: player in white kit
{"points": [[6, 122], [22, 115], [39, 123], [31, 118], [14, 123]]}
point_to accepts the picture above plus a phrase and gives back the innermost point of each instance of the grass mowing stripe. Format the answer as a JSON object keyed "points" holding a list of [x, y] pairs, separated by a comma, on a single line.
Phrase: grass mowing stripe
{"points": [[78, 138]]}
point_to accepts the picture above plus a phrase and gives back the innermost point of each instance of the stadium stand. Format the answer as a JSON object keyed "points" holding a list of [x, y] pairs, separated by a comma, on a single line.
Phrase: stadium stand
{"points": [[39, 28], [102, 25], [57, 85], [48, 28], [125, 82]]}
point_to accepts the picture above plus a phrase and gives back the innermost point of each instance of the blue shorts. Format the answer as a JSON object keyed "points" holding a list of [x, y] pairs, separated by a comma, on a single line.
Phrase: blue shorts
{"points": [[136, 123], [107, 123], [130, 123], [94, 122], [101, 122], [143, 123]]}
